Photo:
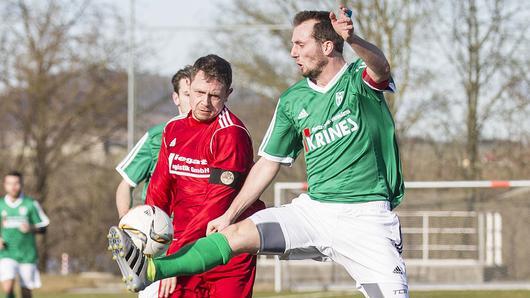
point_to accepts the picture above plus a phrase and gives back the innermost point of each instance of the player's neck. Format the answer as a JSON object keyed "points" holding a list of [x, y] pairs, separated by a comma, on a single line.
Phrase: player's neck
{"points": [[329, 72], [12, 198]]}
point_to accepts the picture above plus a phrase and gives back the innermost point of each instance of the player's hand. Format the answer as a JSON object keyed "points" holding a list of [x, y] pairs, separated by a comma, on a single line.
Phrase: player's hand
{"points": [[343, 25], [2, 245], [218, 224], [24, 228], [167, 287]]}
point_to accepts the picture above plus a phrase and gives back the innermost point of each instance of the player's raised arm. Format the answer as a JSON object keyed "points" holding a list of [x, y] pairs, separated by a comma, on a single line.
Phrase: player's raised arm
{"points": [[378, 67]]}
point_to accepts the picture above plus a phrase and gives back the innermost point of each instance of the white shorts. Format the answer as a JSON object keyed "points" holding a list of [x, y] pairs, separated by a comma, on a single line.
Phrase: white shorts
{"points": [[28, 273], [365, 238], [151, 291]]}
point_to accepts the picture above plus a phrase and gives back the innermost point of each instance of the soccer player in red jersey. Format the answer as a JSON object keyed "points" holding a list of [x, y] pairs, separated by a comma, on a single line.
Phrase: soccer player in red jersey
{"points": [[203, 161]]}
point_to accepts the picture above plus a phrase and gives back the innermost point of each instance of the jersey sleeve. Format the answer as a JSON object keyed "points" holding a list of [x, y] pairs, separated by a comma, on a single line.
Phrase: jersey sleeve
{"points": [[37, 217], [231, 160], [363, 82], [134, 168], [159, 189], [282, 143], [231, 149]]}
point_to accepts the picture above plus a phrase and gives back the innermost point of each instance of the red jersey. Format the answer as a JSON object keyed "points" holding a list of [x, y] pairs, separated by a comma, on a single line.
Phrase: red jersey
{"points": [[200, 169]]}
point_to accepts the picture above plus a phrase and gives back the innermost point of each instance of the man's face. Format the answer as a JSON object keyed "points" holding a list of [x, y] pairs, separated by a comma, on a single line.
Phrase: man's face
{"points": [[12, 186], [307, 51], [207, 97], [182, 97]]}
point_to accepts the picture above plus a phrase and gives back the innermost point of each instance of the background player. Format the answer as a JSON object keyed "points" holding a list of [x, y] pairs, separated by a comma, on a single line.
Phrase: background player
{"points": [[339, 117], [139, 164], [21, 218]]}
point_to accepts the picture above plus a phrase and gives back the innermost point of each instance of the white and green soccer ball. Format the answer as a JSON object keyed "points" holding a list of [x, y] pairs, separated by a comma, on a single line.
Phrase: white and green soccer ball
{"points": [[150, 229]]}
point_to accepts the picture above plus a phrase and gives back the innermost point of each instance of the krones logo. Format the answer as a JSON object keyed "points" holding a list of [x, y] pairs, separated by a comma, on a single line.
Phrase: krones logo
{"points": [[322, 135]]}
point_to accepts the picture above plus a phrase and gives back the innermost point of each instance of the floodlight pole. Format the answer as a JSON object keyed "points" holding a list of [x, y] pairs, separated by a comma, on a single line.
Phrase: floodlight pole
{"points": [[130, 80]]}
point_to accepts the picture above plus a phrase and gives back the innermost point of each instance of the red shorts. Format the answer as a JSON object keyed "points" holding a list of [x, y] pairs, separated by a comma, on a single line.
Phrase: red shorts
{"points": [[235, 280]]}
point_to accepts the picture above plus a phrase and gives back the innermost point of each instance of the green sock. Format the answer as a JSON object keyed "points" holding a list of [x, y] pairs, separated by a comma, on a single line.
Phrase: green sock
{"points": [[197, 257], [10, 295]]}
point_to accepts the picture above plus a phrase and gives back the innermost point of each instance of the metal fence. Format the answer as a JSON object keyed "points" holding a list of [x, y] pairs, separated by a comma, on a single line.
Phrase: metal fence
{"points": [[439, 246]]}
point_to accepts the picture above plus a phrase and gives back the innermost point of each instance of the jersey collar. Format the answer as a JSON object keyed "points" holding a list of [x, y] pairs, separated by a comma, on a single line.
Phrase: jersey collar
{"points": [[330, 84], [195, 122], [15, 203]]}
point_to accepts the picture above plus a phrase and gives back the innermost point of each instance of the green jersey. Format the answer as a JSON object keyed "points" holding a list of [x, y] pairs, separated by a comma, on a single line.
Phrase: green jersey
{"points": [[19, 246], [347, 133], [140, 163]]}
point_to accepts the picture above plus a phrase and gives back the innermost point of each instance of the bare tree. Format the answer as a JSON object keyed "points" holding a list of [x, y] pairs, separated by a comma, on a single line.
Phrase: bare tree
{"points": [[486, 49], [261, 55], [262, 62], [61, 84], [395, 27]]}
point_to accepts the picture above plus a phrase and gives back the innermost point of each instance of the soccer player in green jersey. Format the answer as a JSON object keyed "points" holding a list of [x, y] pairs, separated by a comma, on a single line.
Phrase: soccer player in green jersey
{"points": [[338, 116], [139, 164], [21, 218]]}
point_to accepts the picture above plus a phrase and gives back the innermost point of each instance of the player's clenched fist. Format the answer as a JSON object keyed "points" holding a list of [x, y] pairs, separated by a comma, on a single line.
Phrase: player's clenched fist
{"points": [[218, 224], [343, 25]]}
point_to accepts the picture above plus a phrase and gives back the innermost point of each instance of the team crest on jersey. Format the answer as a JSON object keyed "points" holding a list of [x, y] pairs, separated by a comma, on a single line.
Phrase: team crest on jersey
{"points": [[22, 210], [172, 144], [339, 97]]}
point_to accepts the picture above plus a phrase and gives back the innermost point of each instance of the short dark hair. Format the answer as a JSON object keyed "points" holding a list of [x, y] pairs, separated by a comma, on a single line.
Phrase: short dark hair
{"points": [[214, 67], [184, 73], [322, 30], [16, 174]]}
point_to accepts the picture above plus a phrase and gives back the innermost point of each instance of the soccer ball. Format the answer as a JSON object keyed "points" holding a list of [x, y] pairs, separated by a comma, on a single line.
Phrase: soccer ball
{"points": [[150, 229]]}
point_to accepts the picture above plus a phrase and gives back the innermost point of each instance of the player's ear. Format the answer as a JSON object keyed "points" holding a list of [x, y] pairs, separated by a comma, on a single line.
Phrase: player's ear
{"points": [[229, 91], [327, 47], [175, 98]]}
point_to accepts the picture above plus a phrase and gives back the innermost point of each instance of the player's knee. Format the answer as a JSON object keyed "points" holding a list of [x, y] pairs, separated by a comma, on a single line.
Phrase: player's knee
{"points": [[8, 286], [272, 238], [243, 237]]}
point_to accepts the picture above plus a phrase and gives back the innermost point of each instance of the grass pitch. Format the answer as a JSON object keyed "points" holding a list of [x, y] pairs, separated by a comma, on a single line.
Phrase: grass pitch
{"points": [[437, 294], [62, 287]]}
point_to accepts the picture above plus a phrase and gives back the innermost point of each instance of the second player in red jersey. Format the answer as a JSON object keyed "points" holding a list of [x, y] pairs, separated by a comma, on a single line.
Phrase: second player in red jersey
{"points": [[204, 158]]}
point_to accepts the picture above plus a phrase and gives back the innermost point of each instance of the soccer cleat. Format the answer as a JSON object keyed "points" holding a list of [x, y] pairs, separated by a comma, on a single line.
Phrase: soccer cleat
{"points": [[131, 261]]}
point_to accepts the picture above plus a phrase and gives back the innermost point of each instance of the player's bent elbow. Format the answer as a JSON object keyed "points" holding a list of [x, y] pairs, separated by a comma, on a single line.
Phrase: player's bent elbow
{"points": [[242, 237], [41, 230]]}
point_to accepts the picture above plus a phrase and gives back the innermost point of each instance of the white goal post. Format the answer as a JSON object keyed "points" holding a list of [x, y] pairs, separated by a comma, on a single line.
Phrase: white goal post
{"points": [[487, 229], [279, 186]]}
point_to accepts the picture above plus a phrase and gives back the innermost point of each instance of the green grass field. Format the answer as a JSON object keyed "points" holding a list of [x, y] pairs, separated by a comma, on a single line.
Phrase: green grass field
{"points": [[62, 287], [440, 294]]}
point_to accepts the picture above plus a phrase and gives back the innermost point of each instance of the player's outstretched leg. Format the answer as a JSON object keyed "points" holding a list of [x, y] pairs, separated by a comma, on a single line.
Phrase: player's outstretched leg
{"points": [[131, 261], [193, 258]]}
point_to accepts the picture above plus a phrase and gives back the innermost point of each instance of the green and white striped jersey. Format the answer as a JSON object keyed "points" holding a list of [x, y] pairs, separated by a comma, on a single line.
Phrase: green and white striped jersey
{"points": [[19, 246], [140, 163], [347, 133]]}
